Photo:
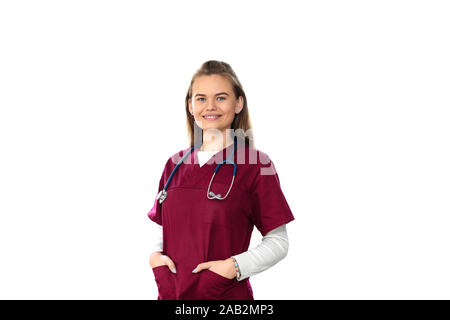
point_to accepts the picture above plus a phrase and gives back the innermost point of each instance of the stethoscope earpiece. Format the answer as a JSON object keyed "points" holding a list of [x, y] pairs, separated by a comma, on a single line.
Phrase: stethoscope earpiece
{"points": [[218, 196]]}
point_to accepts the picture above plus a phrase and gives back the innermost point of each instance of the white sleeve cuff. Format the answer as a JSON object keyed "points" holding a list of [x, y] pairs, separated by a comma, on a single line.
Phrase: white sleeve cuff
{"points": [[157, 238]]}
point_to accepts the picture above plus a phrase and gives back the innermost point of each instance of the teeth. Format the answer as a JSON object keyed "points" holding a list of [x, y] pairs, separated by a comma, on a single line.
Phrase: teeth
{"points": [[211, 117]]}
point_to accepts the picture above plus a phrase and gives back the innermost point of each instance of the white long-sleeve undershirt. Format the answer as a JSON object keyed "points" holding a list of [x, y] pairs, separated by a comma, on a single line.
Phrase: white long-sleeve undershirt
{"points": [[273, 247]]}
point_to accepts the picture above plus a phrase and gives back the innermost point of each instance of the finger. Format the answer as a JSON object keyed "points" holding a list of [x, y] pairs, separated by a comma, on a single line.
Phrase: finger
{"points": [[171, 265], [202, 266]]}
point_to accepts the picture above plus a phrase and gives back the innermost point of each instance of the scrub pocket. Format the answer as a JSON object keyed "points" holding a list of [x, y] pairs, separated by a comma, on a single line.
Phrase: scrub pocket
{"points": [[219, 278], [217, 287], [221, 288], [165, 282]]}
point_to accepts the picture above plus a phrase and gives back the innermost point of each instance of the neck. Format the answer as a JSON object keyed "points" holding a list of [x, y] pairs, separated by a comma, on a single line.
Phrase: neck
{"points": [[214, 142]]}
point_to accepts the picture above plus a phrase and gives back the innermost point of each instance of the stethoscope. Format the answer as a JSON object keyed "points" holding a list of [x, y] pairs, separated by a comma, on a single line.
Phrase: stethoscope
{"points": [[162, 195]]}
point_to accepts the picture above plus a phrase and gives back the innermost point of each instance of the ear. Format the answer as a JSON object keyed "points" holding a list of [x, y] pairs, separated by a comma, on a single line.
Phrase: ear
{"points": [[240, 105]]}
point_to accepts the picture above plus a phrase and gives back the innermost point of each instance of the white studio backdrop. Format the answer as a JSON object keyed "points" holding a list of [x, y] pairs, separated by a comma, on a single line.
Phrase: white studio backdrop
{"points": [[350, 99]]}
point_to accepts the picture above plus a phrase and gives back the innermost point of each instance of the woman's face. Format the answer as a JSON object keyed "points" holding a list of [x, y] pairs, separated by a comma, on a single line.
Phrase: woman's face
{"points": [[213, 102]]}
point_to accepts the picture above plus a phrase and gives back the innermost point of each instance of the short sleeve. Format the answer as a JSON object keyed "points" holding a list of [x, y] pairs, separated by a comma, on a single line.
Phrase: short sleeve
{"points": [[269, 206], [155, 213]]}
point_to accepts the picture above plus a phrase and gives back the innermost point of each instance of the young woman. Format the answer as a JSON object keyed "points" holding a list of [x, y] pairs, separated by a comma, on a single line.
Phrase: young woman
{"points": [[206, 217]]}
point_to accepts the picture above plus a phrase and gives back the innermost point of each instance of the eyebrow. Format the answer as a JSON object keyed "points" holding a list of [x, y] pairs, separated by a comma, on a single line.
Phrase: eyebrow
{"points": [[217, 94]]}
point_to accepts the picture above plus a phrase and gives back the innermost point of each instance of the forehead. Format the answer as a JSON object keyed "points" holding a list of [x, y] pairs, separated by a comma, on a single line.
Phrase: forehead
{"points": [[211, 84]]}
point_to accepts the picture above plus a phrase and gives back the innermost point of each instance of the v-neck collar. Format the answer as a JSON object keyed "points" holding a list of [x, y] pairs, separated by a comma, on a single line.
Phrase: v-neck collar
{"points": [[206, 156], [209, 162]]}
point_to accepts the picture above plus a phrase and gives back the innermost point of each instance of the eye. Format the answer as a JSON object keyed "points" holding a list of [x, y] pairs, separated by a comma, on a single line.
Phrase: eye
{"points": [[200, 98], [221, 98]]}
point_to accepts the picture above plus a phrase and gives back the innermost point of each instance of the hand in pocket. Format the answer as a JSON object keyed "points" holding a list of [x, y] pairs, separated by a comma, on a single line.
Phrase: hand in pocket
{"points": [[224, 268], [158, 259]]}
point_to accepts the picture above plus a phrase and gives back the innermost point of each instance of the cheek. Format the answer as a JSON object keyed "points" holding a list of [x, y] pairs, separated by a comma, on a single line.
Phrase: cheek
{"points": [[227, 111], [229, 115]]}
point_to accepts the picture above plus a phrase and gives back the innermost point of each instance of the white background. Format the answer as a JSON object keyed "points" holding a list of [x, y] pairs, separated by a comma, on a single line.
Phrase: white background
{"points": [[350, 99]]}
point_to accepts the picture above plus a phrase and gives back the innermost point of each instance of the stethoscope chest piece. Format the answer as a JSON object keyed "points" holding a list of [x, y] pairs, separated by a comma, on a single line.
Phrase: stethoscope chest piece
{"points": [[162, 195]]}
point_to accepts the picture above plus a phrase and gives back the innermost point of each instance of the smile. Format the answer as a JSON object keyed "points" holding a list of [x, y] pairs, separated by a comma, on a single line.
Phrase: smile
{"points": [[212, 117]]}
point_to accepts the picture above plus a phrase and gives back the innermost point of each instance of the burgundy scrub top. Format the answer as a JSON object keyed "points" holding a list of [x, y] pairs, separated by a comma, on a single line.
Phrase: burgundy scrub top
{"points": [[197, 229]]}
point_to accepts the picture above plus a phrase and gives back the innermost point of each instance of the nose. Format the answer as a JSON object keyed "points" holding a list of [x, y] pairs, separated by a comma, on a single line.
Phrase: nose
{"points": [[211, 106]]}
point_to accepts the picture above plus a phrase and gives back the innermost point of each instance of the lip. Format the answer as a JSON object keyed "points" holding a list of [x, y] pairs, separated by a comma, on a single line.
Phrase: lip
{"points": [[217, 116]]}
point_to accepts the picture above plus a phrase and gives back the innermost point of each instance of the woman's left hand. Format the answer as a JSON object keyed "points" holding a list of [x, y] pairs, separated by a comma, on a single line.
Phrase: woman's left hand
{"points": [[225, 268]]}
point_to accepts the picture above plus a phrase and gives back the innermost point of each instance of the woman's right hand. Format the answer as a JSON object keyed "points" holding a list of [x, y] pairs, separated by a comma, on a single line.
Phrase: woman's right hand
{"points": [[158, 259]]}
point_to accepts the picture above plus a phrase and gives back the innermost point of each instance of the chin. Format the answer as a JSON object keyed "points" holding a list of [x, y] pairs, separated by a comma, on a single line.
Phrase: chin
{"points": [[212, 128]]}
